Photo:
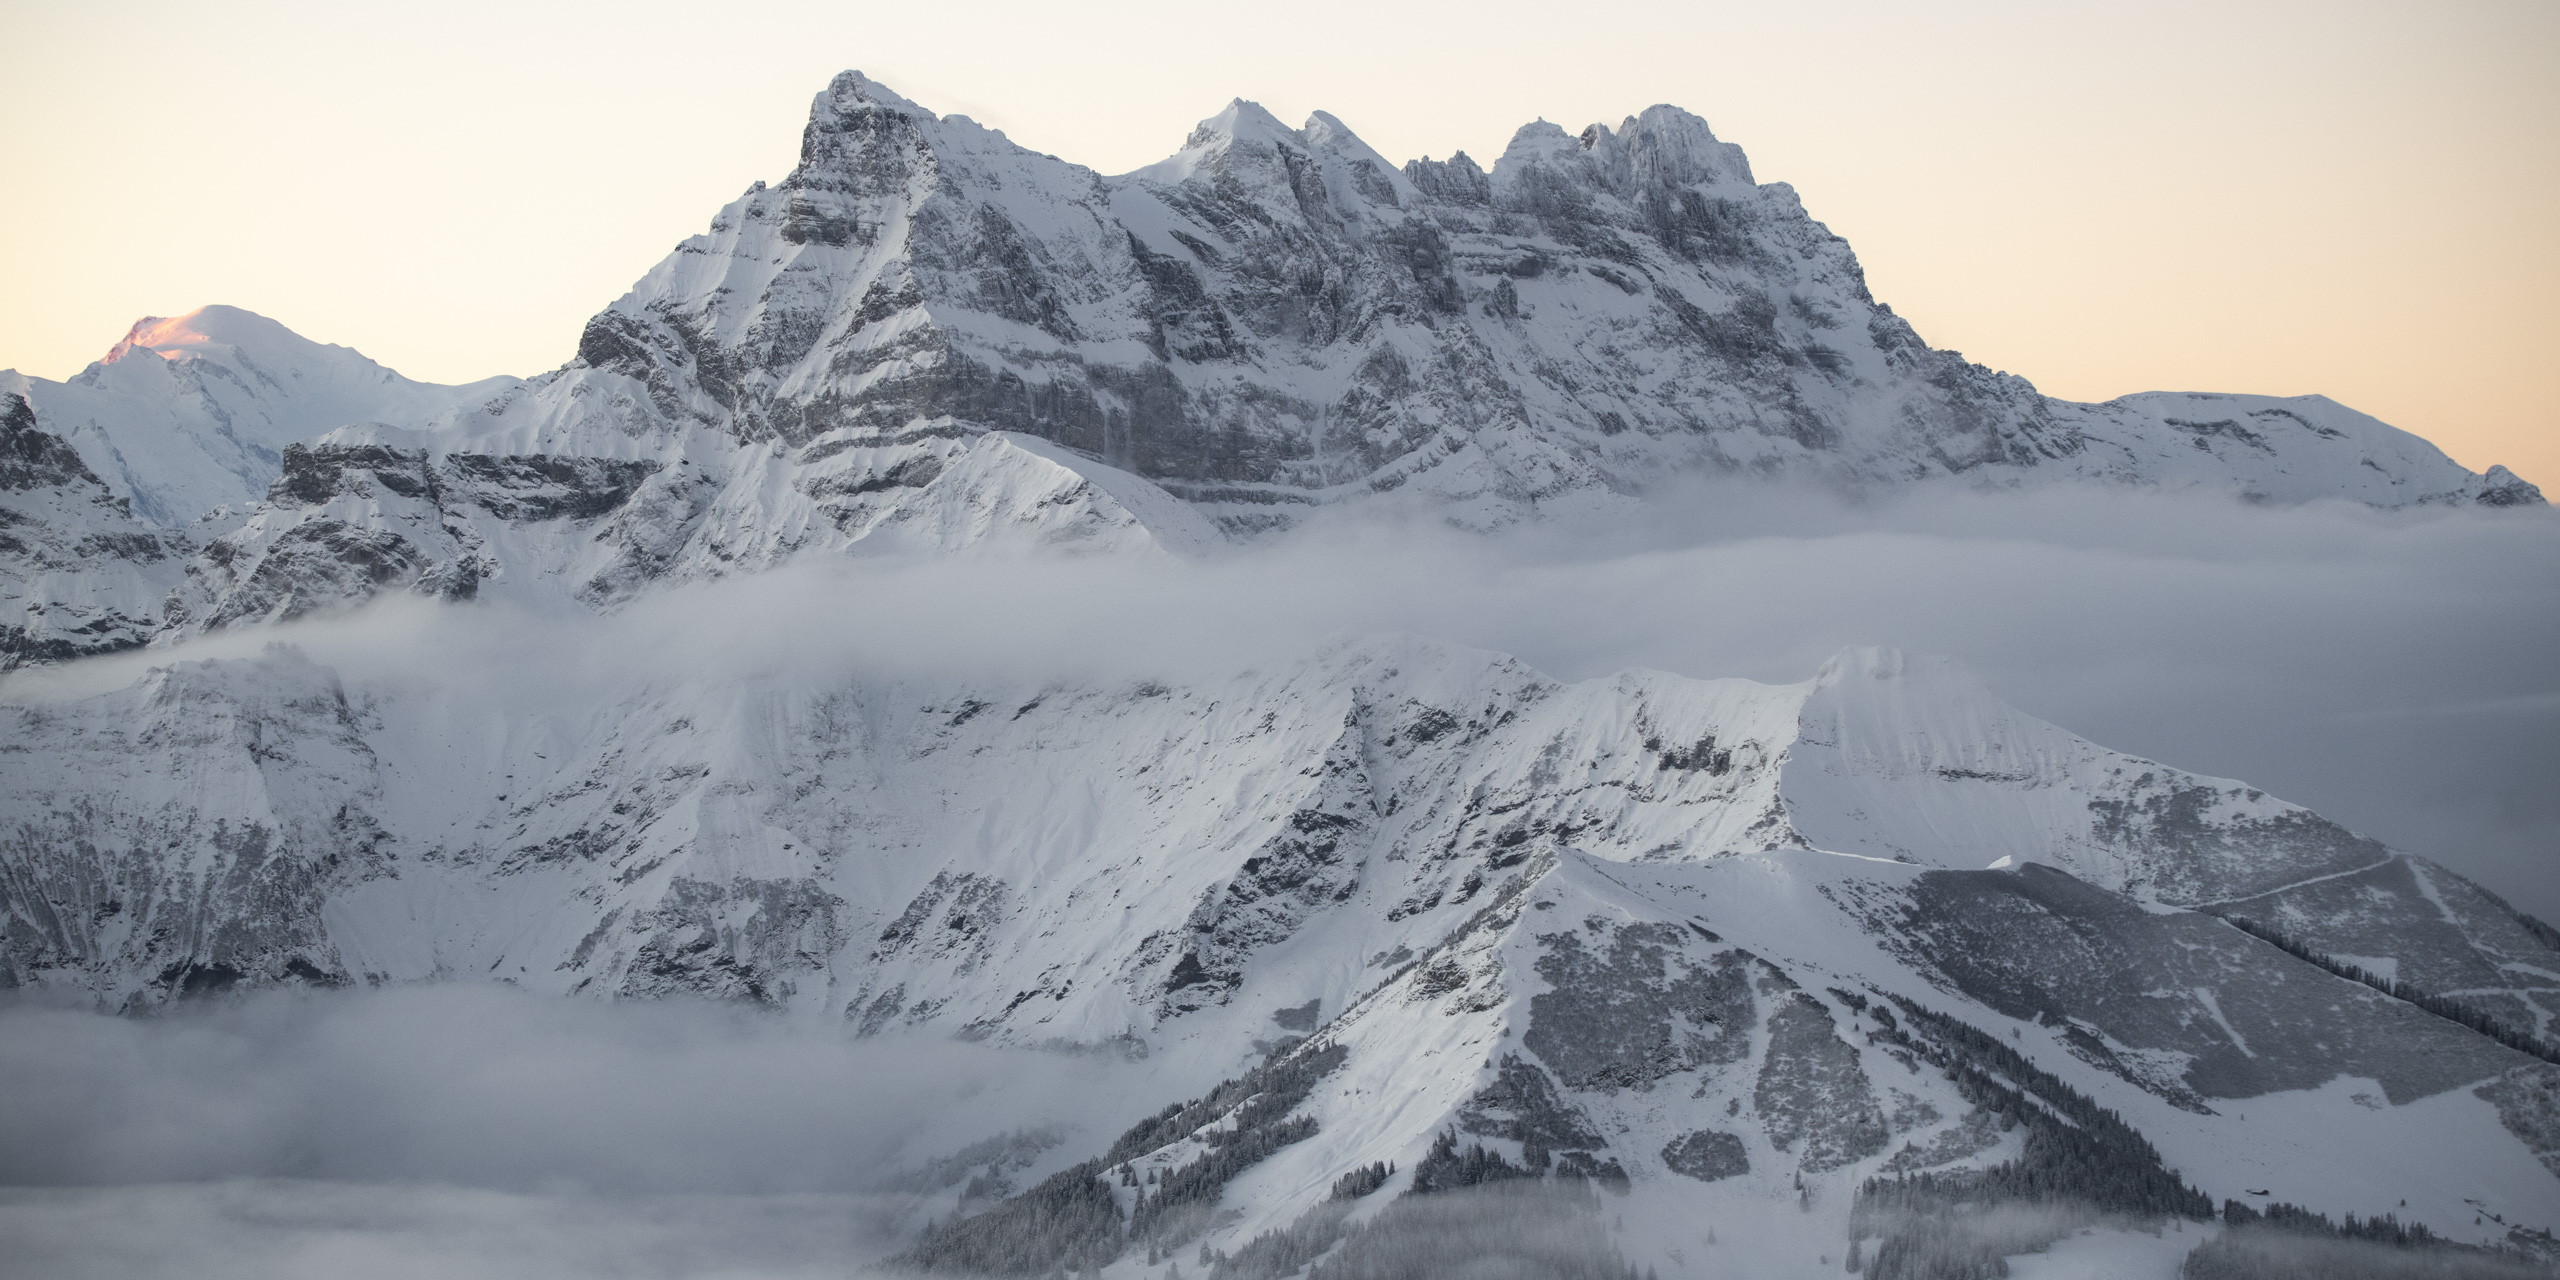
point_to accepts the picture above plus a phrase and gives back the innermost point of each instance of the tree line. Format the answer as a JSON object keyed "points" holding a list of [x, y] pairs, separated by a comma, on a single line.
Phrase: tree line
{"points": [[2288, 1242], [2077, 1156], [1504, 1225], [1073, 1220], [2446, 1007]]}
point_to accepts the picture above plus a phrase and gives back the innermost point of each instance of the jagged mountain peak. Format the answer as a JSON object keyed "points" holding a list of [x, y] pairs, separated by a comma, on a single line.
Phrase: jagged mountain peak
{"points": [[2500, 487], [31, 457], [1246, 145], [79, 574], [1665, 146], [1241, 119], [1648, 155], [1242, 122], [1278, 317], [865, 141], [1537, 140], [861, 136], [852, 91], [1272, 321]]}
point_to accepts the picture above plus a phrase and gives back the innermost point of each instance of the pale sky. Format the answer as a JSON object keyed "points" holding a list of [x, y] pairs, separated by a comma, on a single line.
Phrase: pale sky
{"points": [[2358, 199]]}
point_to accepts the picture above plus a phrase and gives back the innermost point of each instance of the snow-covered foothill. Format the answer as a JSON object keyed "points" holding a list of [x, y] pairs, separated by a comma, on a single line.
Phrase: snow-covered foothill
{"points": [[1596, 913]]}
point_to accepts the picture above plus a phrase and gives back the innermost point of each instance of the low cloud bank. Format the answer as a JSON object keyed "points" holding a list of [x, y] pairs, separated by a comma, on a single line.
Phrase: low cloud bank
{"points": [[2262, 1253], [2399, 672], [481, 1086], [477, 1131], [299, 1230]]}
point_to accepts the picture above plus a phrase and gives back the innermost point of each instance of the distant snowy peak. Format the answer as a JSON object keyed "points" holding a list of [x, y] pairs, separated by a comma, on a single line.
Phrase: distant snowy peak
{"points": [[1242, 122], [2282, 448], [224, 333], [205, 423]]}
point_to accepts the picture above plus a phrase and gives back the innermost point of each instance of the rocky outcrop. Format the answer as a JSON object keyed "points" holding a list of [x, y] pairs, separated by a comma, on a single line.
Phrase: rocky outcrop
{"points": [[79, 575], [366, 511]]}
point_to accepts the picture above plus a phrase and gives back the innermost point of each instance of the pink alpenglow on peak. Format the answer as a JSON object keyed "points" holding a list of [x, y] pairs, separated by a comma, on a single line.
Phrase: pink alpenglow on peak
{"points": [[199, 331], [206, 425]]}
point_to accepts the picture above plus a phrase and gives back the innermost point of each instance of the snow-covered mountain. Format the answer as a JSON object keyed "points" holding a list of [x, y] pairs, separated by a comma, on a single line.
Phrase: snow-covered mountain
{"points": [[1434, 918], [1276, 318], [929, 337], [1641, 924], [373, 509]]}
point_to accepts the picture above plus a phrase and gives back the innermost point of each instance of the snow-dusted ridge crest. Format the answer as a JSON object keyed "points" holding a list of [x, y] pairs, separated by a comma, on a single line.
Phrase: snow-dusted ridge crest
{"points": [[928, 339], [1597, 918]]}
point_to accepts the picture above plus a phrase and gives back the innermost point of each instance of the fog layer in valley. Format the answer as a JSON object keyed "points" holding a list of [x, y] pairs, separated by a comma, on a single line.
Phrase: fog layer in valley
{"points": [[473, 1130]]}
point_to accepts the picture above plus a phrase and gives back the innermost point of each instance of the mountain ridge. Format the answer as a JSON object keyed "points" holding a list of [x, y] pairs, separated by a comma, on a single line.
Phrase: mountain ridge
{"points": [[1474, 874], [1271, 323], [1713, 945]]}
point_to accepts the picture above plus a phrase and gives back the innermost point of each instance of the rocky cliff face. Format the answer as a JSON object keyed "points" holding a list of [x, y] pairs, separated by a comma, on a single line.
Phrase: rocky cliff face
{"points": [[1278, 318], [79, 574]]}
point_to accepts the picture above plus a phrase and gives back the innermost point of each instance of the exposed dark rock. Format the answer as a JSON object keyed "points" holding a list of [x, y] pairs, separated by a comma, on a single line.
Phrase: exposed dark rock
{"points": [[1638, 1010], [2038, 944], [1706, 1155], [1812, 1089], [1522, 1105]]}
